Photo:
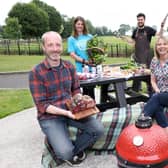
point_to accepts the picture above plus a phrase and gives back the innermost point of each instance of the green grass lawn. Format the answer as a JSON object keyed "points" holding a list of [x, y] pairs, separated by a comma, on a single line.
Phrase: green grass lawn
{"points": [[13, 101], [18, 63], [25, 63]]}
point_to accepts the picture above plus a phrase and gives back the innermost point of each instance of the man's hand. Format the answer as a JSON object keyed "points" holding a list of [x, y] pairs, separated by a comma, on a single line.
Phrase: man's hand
{"points": [[162, 24], [59, 111]]}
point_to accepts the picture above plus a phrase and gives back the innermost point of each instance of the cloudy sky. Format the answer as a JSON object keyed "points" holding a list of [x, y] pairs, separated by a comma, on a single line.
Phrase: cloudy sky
{"points": [[110, 13]]}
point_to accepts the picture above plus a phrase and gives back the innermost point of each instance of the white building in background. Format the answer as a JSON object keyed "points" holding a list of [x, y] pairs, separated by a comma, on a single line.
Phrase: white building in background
{"points": [[129, 33]]}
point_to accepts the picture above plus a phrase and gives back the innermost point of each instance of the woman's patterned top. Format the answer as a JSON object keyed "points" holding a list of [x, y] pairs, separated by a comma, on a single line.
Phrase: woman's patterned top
{"points": [[160, 73]]}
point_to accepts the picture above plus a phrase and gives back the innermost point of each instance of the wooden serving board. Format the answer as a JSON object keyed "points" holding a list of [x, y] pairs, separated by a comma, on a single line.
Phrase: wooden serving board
{"points": [[86, 113]]}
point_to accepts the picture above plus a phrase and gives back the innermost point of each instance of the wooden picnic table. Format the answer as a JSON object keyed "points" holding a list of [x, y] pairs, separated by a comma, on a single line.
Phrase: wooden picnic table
{"points": [[120, 90]]}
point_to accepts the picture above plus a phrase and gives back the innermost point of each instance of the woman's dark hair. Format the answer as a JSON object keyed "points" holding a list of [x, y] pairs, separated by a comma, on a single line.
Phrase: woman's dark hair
{"points": [[79, 18], [141, 15]]}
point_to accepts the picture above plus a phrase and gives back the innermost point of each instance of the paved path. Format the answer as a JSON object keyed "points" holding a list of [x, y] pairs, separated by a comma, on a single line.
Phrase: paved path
{"points": [[21, 143], [16, 80]]}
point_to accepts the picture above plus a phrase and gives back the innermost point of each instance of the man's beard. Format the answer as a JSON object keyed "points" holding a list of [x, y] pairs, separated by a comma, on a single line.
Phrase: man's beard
{"points": [[141, 26]]}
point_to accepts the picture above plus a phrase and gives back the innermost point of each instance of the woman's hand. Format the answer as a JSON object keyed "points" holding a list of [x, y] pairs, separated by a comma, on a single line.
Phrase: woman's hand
{"points": [[157, 90], [70, 114], [90, 63]]}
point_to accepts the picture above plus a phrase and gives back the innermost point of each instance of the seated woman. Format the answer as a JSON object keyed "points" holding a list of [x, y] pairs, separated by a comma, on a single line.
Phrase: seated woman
{"points": [[159, 80]]}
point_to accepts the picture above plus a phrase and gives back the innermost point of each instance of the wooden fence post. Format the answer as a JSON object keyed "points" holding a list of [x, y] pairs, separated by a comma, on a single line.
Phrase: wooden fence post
{"points": [[39, 45], [111, 54], [126, 50], [28, 43], [18, 44], [8, 46], [117, 50]]}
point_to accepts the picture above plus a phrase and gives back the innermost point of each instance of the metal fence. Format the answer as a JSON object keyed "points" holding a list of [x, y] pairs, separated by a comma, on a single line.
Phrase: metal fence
{"points": [[20, 47], [33, 47], [120, 50]]}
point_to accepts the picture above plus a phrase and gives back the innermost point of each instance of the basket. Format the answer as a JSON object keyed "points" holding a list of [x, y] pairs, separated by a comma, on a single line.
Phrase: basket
{"points": [[93, 50]]}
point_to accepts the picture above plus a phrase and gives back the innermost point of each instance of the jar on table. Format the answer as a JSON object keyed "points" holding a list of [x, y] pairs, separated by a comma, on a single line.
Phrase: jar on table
{"points": [[99, 69], [85, 69], [94, 71]]}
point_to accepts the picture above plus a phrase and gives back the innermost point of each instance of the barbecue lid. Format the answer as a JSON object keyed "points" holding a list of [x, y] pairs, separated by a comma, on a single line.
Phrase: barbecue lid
{"points": [[143, 143]]}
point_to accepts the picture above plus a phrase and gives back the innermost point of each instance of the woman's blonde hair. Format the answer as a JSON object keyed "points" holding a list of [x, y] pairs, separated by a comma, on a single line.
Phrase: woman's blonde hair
{"points": [[165, 39]]}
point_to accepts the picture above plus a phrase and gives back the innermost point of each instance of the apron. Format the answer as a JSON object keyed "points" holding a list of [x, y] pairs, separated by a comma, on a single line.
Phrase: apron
{"points": [[143, 54]]}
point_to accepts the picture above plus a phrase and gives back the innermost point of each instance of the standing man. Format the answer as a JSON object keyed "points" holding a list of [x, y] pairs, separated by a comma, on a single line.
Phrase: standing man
{"points": [[142, 36], [52, 83]]}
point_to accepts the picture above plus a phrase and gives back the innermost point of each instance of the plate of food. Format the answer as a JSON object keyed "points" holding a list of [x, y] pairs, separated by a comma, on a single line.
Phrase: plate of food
{"points": [[116, 72]]}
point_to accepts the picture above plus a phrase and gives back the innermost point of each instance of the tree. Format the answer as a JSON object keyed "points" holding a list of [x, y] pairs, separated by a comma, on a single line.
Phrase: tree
{"points": [[109, 33], [123, 29], [67, 26], [34, 21], [104, 30], [1, 30], [98, 31], [55, 20], [154, 27], [115, 33], [12, 30], [90, 27], [132, 28]]}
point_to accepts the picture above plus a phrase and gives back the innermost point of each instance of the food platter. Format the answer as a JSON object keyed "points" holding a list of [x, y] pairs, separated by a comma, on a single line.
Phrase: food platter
{"points": [[82, 106], [117, 72]]}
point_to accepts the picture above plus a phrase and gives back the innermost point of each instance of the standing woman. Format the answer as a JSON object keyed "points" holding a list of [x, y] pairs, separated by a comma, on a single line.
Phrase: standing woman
{"points": [[77, 45], [159, 80]]}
